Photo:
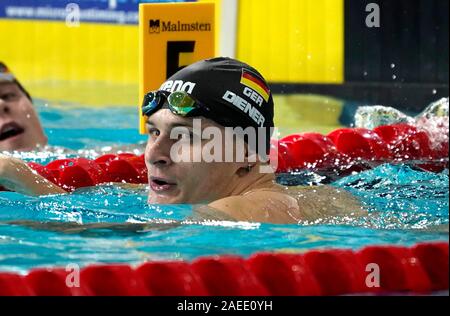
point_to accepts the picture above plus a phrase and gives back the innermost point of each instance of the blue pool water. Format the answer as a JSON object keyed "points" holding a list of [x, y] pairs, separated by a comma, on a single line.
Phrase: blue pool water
{"points": [[406, 206], [82, 128]]}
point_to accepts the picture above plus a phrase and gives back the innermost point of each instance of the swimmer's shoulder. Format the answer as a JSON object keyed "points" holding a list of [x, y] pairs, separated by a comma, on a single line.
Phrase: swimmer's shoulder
{"points": [[280, 204], [269, 205], [325, 201]]}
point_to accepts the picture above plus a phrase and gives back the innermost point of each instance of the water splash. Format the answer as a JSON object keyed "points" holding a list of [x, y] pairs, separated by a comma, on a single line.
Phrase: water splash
{"points": [[434, 119]]}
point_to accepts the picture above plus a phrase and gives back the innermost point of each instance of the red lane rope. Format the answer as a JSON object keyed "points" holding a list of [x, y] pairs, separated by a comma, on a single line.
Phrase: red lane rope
{"points": [[348, 147], [423, 268], [74, 173]]}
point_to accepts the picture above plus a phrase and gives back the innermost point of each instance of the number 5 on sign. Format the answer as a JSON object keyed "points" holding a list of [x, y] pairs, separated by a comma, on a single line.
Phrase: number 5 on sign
{"points": [[172, 36]]}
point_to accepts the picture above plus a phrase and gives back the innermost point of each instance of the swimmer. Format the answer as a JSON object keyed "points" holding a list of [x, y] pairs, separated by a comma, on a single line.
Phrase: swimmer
{"points": [[21, 131], [217, 93], [225, 92], [20, 128]]}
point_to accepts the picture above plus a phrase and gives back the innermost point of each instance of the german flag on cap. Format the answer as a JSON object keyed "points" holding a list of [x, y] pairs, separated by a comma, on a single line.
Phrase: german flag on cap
{"points": [[253, 81]]}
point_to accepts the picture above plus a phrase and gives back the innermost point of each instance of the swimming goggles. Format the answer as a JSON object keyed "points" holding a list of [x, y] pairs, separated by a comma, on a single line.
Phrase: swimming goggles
{"points": [[179, 102]]}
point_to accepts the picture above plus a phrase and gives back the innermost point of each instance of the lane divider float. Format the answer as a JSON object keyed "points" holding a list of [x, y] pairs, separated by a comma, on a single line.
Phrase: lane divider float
{"points": [[421, 269]]}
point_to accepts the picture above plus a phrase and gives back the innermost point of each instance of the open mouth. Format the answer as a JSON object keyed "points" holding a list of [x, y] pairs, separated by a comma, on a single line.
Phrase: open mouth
{"points": [[10, 130], [161, 185], [160, 182]]}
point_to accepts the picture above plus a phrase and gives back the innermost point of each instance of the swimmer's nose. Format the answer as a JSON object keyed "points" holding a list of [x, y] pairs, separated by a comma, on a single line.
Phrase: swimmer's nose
{"points": [[158, 153], [4, 107]]}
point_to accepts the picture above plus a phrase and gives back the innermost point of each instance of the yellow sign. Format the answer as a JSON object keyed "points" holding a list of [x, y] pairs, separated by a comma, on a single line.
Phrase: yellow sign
{"points": [[172, 36]]}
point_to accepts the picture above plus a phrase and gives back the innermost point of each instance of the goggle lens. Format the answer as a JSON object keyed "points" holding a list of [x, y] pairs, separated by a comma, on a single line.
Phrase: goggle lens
{"points": [[179, 102], [151, 102]]}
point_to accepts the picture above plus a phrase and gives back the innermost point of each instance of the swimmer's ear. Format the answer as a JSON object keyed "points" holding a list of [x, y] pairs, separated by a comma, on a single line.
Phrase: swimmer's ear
{"points": [[251, 157], [250, 160], [242, 171]]}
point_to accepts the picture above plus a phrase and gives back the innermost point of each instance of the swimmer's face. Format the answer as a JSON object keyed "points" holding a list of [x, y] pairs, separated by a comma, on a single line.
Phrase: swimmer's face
{"points": [[20, 128], [191, 182]]}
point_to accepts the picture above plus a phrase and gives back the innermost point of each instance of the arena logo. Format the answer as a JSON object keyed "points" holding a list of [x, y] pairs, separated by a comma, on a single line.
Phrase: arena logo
{"points": [[178, 85], [157, 26]]}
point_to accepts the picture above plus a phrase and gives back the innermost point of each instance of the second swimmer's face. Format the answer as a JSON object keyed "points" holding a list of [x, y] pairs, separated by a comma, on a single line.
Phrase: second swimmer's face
{"points": [[192, 181], [20, 128]]}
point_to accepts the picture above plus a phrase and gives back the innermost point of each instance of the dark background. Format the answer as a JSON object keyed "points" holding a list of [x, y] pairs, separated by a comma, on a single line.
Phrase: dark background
{"points": [[412, 44]]}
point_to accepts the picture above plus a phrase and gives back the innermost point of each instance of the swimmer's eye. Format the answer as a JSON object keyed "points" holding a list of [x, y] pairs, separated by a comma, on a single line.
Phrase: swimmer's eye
{"points": [[154, 132], [9, 96]]}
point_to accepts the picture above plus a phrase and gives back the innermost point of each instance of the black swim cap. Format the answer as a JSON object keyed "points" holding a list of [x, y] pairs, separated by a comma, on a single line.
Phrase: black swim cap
{"points": [[7, 76], [236, 93]]}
